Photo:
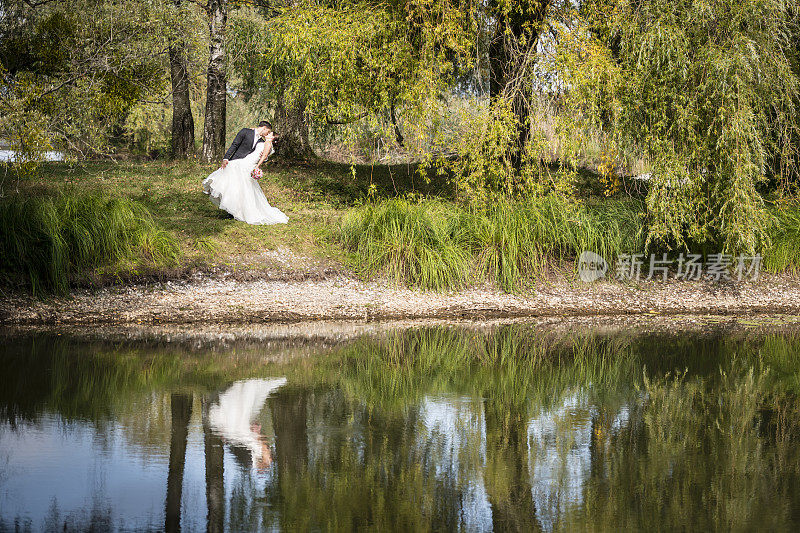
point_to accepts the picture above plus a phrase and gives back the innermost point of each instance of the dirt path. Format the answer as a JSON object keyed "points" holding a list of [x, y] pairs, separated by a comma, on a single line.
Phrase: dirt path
{"points": [[343, 298]]}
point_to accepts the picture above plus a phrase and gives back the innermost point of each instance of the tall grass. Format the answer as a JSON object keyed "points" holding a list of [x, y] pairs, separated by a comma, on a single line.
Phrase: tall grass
{"points": [[783, 254], [415, 243], [514, 241], [436, 245], [45, 239]]}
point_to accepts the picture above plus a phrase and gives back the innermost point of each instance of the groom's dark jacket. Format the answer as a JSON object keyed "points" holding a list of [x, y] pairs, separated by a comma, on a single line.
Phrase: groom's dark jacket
{"points": [[242, 145]]}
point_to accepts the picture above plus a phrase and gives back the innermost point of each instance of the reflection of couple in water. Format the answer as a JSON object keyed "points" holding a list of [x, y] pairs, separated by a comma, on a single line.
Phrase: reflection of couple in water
{"points": [[234, 418]]}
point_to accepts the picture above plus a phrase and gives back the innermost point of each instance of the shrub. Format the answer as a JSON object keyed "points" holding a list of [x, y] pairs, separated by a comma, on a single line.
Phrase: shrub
{"points": [[783, 253]]}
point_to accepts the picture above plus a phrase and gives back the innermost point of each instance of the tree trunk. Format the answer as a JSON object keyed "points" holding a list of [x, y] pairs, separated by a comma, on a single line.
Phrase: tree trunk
{"points": [[398, 135], [182, 120], [290, 124], [508, 480], [509, 69], [214, 125], [181, 407], [289, 417], [497, 59]]}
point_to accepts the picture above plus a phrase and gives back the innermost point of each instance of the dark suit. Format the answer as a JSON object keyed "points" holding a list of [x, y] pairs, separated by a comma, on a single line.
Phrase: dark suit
{"points": [[242, 145]]}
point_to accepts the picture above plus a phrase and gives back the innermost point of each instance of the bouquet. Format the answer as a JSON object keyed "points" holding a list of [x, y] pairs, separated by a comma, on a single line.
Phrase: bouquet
{"points": [[256, 174]]}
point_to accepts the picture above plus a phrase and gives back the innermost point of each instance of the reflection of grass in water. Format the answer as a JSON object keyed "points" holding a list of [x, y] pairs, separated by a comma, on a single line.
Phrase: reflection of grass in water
{"points": [[781, 355], [86, 380], [516, 366], [512, 365], [703, 458]]}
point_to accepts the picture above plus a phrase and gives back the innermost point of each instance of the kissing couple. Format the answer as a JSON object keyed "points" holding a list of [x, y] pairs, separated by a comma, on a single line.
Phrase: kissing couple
{"points": [[234, 187]]}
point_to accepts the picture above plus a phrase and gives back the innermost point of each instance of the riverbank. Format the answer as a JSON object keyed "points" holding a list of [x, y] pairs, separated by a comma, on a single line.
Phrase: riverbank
{"points": [[204, 299], [333, 260], [196, 337]]}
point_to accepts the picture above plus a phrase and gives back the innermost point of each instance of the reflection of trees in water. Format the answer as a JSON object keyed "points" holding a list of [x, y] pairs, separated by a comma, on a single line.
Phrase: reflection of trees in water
{"points": [[289, 418], [559, 459], [97, 518], [181, 410], [518, 373], [288, 407], [565, 450], [573, 463], [215, 474], [550, 454], [508, 482], [367, 473], [555, 434], [697, 453], [451, 440]]}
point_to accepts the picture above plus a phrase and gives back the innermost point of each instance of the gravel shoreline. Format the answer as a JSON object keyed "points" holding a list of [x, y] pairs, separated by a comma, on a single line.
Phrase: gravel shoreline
{"points": [[228, 301]]}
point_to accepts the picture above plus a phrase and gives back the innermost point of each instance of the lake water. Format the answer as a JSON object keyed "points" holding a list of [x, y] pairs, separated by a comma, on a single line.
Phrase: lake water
{"points": [[508, 427], [10, 155]]}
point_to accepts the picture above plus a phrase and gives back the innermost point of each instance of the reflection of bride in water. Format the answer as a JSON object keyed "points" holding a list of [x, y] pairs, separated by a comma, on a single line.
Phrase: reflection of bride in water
{"points": [[234, 418]]}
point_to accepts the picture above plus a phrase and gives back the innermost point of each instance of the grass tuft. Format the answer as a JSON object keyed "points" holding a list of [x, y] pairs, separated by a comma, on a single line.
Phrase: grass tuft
{"points": [[783, 254], [436, 245], [45, 239], [408, 242]]}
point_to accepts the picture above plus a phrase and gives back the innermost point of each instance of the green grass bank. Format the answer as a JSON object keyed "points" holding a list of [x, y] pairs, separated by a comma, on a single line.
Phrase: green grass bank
{"points": [[112, 222]]}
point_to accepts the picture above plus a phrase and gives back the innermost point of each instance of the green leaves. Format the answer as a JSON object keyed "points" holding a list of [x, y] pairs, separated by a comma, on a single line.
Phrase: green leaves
{"points": [[706, 91], [71, 71], [353, 62]]}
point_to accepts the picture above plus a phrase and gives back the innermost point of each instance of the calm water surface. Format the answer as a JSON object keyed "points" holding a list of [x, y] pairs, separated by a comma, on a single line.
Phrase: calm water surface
{"points": [[445, 428], [11, 155]]}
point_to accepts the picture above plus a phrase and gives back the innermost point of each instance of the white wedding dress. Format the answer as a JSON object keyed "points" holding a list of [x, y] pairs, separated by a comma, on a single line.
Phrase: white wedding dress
{"points": [[238, 407], [232, 189]]}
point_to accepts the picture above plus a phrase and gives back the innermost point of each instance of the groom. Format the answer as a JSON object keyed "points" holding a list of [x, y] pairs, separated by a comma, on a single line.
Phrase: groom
{"points": [[245, 141]]}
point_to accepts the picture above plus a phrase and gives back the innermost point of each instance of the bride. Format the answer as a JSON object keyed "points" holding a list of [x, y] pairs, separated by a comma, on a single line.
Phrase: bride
{"points": [[232, 187], [234, 416]]}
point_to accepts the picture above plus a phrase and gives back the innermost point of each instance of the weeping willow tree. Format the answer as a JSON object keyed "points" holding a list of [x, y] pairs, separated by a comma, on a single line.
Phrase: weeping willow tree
{"points": [[705, 91]]}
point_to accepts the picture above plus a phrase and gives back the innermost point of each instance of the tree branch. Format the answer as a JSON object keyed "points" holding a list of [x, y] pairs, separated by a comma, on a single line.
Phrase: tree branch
{"points": [[346, 121]]}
